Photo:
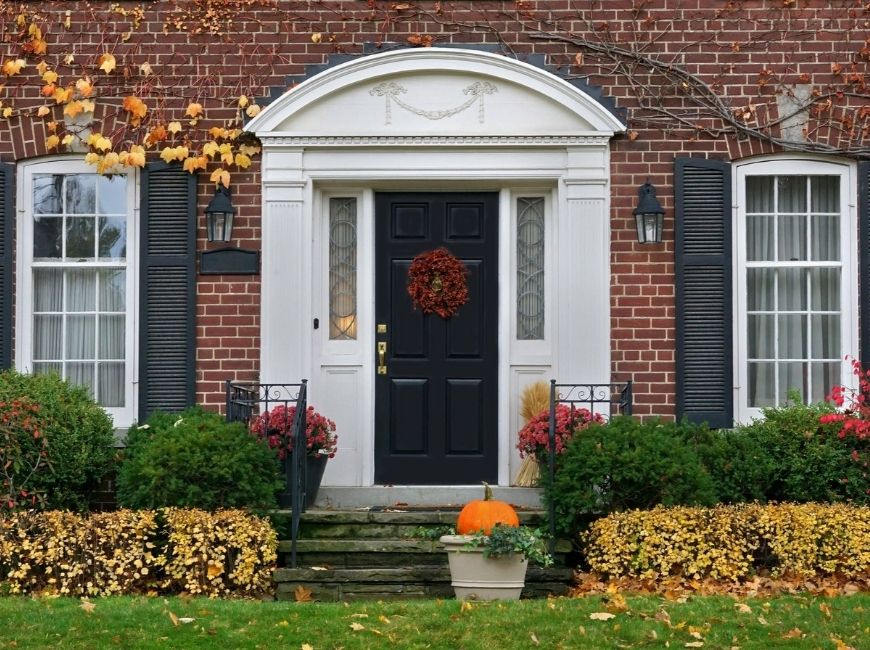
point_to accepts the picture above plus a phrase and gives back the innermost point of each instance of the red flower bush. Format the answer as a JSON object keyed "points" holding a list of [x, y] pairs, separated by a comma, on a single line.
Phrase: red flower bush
{"points": [[276, 427], [534, 437], [436, 282]]}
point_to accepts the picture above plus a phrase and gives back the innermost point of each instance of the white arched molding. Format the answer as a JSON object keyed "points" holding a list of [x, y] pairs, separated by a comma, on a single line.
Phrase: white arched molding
{"points": [[432, 119]]}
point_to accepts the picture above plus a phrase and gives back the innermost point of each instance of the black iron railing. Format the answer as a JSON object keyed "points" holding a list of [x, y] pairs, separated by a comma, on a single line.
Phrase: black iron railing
{"points": [[605, 400], [246, 402]]}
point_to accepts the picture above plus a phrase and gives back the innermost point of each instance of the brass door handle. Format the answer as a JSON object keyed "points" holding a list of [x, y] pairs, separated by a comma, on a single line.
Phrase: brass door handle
{"points": [[382, 353]]}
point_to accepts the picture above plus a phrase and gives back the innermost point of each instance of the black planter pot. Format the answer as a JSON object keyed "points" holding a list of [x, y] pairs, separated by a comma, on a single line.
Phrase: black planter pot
{"points": [[314, 468]]}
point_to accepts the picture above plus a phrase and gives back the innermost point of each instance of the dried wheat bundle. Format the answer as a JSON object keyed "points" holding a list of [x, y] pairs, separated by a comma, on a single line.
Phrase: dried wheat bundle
{"points": [[534, 399]]}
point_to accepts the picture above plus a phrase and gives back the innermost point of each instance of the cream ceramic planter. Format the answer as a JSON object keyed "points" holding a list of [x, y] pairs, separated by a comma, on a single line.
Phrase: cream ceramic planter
{"points": [[475, 577]]}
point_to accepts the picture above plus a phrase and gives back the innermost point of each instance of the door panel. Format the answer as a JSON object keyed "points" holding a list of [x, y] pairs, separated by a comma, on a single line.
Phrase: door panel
{"points": [[436, 407]]}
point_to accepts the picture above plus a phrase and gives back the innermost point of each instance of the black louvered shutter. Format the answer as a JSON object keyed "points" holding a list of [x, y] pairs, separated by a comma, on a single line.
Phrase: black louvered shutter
{"points": [[864, 260], [167, 290], [7, 218], [702, 194]]}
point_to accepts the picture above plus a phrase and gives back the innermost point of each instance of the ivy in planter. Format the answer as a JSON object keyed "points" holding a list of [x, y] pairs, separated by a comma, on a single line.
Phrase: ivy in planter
{"points": [[504, 540]]}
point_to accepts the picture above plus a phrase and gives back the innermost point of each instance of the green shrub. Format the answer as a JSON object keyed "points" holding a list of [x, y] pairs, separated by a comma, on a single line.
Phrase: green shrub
{"points": [[807, 461], [196, 460], [627, 464], [79, 437]]}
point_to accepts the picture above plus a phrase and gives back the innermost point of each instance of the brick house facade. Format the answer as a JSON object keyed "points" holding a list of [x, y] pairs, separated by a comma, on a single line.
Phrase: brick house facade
{"points": [[748, 118]]}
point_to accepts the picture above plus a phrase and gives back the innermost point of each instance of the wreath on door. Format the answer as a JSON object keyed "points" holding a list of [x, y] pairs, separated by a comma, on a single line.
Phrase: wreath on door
{"points": [[437, 282]]}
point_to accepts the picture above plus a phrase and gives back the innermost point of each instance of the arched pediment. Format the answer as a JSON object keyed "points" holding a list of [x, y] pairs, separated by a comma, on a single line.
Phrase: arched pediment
{"points": [[435, 92]]}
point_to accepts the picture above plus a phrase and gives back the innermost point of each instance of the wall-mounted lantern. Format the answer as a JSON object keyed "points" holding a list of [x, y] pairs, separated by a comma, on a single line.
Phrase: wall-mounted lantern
{"points": [[649, 215], [219, 215]]}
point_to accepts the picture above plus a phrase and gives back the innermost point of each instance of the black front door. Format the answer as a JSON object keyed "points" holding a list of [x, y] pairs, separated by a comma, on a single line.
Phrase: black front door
{"points": [[436, 407]]}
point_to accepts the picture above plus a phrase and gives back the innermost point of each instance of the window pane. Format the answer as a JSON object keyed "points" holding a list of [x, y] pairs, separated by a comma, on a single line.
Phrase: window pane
{"points": [[761, 385], [47, 237], [826, 336], [81, 374], [825, 377], [113, 290], [112, 336], [792, 238], [792, 337], [47, 193], [47, 337], [80, 238], [81, 290], [825, 237], [342, 269], [47, 290], [825, 192], [792, 193], [112, 194], [760, 331], [111, 389], [530, 268], [759, 238], [759, 288], [792, 378], [825, 289], [759, 194], [792, 289], [81, 193], [113, 238], [80, 337], [48, 369]]}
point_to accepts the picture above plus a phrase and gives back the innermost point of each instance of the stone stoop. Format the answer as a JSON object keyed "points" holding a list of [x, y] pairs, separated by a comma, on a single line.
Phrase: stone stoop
{"points": [[382, 553]]}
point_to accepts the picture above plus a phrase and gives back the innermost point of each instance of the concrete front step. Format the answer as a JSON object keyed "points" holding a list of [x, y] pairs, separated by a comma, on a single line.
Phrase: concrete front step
{"points": [[422, 496]]}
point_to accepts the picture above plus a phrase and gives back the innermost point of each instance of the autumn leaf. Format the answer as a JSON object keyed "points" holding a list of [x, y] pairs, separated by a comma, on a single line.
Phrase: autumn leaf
{"points": [[357, 627], [194, 110], [41, 67], [157, 134], [48, 90], [12, 67], [383, 619], [250, 150], [466, 606], [7, 112], [145, 69], [210, 149], [694, 644], [136, 108], [174, 127], [106, 63], [135, 157], [306, 646], [601, 616], [51, 142], [67, 139], [42, 111], [214, 570], [87, 606], [192, 164], [62, 95], [242, 161], [534, 638], [420, 39], [73, 108], [301, 594], [253, 110], [173, 618], [316, 37], [243, 101], [794, 633], [49, 76], [743, 608], [84, 87], [69, 59], [823, 607]]}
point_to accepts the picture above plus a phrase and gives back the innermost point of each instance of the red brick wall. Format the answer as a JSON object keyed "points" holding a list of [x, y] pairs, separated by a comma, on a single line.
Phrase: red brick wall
{"points": [[746, 52]]}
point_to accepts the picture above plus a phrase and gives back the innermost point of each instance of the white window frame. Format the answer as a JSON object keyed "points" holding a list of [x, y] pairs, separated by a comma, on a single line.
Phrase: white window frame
{"points": [[121, 416], [779, 166]]}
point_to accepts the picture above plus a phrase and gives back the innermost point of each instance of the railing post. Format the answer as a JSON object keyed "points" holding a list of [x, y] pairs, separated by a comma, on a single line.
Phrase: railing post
{"points": [[228, 414], [628, 398], [551, 461]]}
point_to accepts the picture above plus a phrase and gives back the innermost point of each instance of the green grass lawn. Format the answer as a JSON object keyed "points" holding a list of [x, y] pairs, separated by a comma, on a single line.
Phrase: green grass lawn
{"points": [[648, 622]]}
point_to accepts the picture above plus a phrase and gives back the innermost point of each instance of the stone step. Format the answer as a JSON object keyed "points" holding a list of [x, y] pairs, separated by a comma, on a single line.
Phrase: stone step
{"points": [[386, 546]]}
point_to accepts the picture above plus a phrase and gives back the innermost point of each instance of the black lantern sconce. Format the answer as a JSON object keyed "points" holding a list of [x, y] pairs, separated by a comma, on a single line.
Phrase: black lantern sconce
{"points": [[219, 216], [649, 215]]}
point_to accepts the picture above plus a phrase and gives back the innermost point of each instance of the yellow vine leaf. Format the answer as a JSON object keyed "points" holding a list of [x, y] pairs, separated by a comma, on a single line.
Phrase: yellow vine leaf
{"points": [[88, 105], [145, 69], [51, 126], [157, 134], [69, 59], [67, 139], [73, 108], [136, 108], [51, 142], [62, 95], [7, 112], [103, 143], [92, 158], [93, 137], [109, 162], [174, 127], [42, 111], [49, 76], [41, 67], [106, 62], [174, 153], [210, 149], [242, 161], [253, 110], [217, 132], [84, 87], [48, 90], [194, 109], [249, 149], [192, 164], [13, 66], [220, 175], [316, 37], [243, 101], [133, 158]]}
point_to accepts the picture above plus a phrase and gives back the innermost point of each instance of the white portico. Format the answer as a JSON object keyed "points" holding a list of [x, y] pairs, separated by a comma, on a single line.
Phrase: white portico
{"points": [[443, 123]]}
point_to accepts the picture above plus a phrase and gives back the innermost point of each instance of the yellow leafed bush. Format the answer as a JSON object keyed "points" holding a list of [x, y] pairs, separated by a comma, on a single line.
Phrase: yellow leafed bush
{"points": [[732, 542], [133, 551]]}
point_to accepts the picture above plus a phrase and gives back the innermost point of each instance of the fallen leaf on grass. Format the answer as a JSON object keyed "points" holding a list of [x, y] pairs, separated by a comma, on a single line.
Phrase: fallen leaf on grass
{"points": [[184, 620], [663, 617], [694, 644], [841, 645], [305, 646], [762, 620], [88, 607], [359, 615], [535, 639], [384, 619], [743, 608], [357, 627], [173, 618], [466, 606], [793, 633], [825, 610], [601, 616]]}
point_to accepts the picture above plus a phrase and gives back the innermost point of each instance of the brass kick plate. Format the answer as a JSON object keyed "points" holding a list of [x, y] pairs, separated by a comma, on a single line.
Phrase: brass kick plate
{"points": [[382, 328]]}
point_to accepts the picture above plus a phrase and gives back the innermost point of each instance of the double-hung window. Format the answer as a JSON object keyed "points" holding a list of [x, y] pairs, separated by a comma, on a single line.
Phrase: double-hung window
{"points": [[796, 281], [76, 279]]}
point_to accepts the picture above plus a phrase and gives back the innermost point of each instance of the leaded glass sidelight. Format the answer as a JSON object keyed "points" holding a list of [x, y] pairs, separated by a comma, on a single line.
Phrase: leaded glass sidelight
{"points": [[530, 268], [342, 269]]}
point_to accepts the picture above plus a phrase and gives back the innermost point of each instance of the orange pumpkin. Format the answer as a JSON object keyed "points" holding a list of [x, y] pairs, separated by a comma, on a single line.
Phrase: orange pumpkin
{"points": [[483, 515]]}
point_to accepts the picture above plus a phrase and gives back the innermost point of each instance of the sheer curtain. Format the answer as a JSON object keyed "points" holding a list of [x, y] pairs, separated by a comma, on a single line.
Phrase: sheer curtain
{"points": [[793, 287], [530, 268]]}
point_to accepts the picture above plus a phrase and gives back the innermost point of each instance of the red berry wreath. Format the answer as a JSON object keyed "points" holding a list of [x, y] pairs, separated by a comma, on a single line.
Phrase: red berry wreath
{"points": [[436, 282]]}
